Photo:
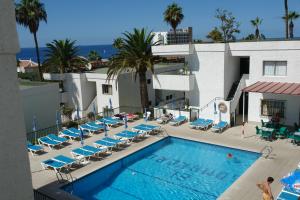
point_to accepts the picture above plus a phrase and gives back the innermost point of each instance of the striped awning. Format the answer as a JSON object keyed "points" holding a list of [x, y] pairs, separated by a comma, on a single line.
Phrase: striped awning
{"points": [[274, 88]]}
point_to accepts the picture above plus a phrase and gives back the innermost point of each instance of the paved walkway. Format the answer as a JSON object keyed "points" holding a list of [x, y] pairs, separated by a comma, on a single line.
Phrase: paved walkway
{"points": [[282, 160]]}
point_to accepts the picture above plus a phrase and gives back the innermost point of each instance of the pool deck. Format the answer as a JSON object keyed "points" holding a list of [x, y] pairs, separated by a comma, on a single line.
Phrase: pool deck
{"points": [[283, 159]]}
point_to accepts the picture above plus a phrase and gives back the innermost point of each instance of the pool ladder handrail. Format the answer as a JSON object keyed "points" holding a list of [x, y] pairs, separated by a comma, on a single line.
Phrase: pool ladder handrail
{"points": [[68, 175], [266, 151]]}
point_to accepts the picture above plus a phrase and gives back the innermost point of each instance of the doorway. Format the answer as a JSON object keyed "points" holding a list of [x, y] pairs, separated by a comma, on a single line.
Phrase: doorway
{"points": [[244, 65]]}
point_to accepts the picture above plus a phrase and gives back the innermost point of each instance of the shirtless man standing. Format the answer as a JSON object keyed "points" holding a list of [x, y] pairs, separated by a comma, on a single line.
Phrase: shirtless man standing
{"points": [[266, 189]]}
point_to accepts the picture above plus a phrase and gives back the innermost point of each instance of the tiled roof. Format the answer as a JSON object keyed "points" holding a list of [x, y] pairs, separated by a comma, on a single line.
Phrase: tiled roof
{"points": [[27, 63], [274, 88]]}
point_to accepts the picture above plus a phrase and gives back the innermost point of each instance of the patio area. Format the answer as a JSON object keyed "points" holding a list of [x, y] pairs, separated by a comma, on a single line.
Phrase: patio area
{"points": [[283, 159]]}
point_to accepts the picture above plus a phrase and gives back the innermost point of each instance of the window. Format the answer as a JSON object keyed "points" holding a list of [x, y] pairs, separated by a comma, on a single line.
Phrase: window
{"points": [[106, 89], [272, 108], [275, 68], [148, 81]]}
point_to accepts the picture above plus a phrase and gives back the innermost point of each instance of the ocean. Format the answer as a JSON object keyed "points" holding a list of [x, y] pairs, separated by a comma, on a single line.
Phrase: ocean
{"points": [[106, 51]]}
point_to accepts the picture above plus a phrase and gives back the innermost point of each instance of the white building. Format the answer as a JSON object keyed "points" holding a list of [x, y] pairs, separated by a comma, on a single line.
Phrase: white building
{"points": [[84, 90], [219, 72], [40, 100], [27, 66]]}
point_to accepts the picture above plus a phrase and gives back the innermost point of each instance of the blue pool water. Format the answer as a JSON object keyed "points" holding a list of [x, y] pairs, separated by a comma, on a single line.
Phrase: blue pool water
{"points": [[169, 169]]}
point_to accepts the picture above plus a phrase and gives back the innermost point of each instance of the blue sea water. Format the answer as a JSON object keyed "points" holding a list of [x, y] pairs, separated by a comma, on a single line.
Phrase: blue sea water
{"points": [[170, 169], [106, 51]]}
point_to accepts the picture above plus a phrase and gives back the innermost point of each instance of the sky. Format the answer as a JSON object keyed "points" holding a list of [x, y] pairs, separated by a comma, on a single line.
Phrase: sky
{"points": [[93, 22]]}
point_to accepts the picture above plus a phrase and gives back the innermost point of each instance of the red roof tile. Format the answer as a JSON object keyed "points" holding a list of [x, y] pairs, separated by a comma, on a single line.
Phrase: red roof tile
{"points": [[274, 88]]}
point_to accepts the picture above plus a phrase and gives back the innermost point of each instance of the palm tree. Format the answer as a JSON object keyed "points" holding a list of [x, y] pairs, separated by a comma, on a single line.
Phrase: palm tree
{"points": [[94, 56], [118, 43], [173, 15], [256, 22], [29, 13], [62, 56], [286, 10], [293, 15], [134, 56]]}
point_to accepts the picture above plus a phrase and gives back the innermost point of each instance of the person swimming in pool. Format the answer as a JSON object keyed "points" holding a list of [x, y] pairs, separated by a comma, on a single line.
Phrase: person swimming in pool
{"points": [[266, 189], [229, 155]]}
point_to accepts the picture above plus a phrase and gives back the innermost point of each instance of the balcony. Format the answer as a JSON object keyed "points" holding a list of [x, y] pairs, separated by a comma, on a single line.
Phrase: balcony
{"points": [[171, 50], [179, 80]]}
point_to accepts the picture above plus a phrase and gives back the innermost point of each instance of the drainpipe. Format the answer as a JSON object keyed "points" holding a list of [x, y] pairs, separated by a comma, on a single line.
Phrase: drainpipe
{"points": [[243, 106]]}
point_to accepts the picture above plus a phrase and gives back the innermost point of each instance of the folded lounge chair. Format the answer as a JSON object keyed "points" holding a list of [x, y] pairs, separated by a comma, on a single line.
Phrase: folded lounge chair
{"points": [[34, 148], [178, 120], [220, 126], [48, 142]]}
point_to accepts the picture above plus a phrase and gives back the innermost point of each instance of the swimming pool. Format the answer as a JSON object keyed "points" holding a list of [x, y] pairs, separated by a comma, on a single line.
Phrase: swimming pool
{"points": [[172, 168]]}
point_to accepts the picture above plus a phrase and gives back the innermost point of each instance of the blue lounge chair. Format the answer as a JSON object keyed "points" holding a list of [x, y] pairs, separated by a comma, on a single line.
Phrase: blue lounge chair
{"points": [[220, 126], [69, 134], [56, 138], [127, 135], [178, 120], [48, 142], [64, 159], [34, 148], [81, 155], [88, 129], [196, 122], [74, 130], [143, 131], [205, 124], [285, 194], [53, 164], [114, 141], [102, 143], [99, 127], [94, 150]]}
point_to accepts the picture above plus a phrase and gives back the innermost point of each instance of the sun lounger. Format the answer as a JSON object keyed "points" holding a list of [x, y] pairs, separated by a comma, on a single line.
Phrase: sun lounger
{"points": [[143, 131], [69, 134], [196, 122], [53, 164], [68, 161], [114, 141], [220, 126], [177, 121], [99, 127], [81, 155], [57, 163], [89, 129], [131, 117], [34, 148], [205, 124], [74, 130], [287, 195], [94, 150], [102, 143], [56, 138], [110, 123], [127, 135], [48, 142]]}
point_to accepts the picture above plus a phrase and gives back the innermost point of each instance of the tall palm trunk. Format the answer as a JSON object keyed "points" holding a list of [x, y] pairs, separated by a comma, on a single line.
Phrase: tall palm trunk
{"points": [[291, 29], [38, 56], [257, 33], [175, 35], [286, 19], [143, 90]]}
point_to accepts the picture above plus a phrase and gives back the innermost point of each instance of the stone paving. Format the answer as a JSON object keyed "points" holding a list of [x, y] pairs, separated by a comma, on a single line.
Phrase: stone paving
{"points": [[283, 159]]}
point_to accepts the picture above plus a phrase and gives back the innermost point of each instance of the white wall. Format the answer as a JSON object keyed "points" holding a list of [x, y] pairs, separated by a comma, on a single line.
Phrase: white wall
{"points": [[88, 91], [291, 113], [207, 64], [40, 101], [15, 182]]}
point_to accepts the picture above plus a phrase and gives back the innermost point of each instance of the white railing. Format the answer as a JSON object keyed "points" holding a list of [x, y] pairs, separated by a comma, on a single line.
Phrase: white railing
{"points": [[235, 100]]}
